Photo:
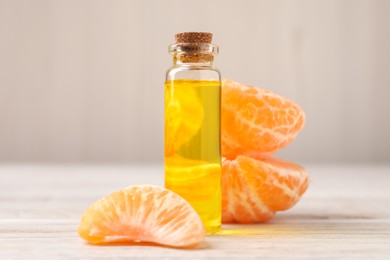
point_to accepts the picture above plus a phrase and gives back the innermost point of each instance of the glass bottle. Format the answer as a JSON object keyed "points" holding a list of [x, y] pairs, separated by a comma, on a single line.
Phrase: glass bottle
{"points": [[192, 158]]}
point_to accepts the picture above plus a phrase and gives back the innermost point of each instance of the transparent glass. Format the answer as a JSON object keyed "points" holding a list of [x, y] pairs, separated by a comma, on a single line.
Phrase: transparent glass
{"points": [[192, 156]]}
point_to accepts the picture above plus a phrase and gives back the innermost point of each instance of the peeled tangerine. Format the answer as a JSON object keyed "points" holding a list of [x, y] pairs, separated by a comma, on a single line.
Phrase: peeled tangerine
{"points": [[253, 190], [142, 213], [255, 124]]}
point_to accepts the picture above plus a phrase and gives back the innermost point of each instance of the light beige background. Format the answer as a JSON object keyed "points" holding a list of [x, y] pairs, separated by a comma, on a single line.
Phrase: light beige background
{"points": [[82, 81]]}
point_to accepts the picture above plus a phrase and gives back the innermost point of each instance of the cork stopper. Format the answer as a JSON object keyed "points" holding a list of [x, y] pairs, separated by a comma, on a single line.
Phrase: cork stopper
{"points": [[194, 37], [193, 44]]}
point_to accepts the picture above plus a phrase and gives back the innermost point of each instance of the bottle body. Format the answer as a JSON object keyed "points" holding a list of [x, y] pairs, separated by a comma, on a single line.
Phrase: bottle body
{"points": [[192, 157]]}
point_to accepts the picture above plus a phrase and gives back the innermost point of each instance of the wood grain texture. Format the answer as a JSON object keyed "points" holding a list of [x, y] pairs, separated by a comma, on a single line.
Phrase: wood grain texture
{"points": [[345, 214]]}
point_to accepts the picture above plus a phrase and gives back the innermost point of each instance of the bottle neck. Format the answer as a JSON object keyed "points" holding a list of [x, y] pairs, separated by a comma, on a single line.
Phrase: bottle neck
{"points": [[198, 59], [194, 54]]}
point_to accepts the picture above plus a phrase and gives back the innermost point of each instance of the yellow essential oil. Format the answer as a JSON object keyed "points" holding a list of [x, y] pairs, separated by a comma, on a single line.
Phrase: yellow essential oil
{"points": [[192, 154], [192, 146]]}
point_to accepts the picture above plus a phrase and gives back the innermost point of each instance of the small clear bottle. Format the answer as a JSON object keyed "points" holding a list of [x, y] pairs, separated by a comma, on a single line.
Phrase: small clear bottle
{"points": [[192, 156]]}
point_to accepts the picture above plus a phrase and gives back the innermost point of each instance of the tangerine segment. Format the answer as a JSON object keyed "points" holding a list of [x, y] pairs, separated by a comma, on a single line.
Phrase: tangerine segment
{"points": [[198, 182], [183, 114], [142, 213], [256, 122], [253, 190]]}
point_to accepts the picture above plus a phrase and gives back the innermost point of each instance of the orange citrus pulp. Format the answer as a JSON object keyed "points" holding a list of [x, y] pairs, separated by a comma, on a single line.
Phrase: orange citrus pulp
{"points": [[142, 213], [255, 124]]}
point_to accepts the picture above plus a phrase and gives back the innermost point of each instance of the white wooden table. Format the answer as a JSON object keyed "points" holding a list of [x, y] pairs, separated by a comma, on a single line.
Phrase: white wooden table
{"points": [[344, 214]]}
